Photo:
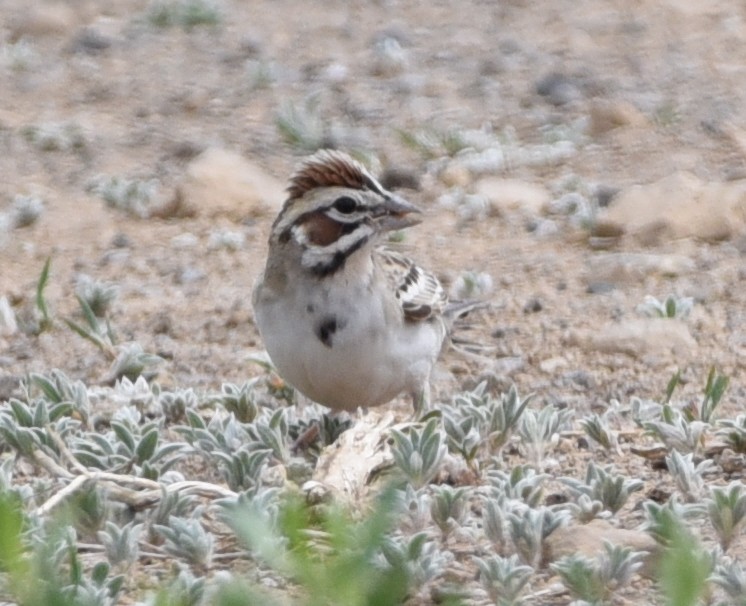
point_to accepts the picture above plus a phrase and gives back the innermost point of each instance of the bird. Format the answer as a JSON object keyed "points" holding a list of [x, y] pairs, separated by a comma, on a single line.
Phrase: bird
{"points": [[346, 321]]}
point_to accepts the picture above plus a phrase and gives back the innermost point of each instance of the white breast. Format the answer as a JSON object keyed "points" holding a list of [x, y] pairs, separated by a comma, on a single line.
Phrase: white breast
{"points": [[370, 356]]}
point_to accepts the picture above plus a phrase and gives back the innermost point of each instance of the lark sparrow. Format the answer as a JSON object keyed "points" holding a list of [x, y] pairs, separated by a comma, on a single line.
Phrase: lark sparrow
{"points": [[345, 321]]}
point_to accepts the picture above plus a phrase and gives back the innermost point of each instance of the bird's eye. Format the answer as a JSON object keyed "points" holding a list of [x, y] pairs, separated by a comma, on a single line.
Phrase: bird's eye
{"points": [[345, 205]]}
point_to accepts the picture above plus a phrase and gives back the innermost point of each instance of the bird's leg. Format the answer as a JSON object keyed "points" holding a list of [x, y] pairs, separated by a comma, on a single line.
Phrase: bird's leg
{"points": [[421, 400]]}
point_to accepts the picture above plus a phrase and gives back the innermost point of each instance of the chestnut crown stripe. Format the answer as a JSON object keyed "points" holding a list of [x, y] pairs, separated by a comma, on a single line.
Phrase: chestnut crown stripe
{"points": [[328, 168]]}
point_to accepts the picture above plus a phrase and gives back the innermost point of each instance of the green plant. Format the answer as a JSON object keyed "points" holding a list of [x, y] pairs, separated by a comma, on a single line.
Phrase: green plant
{"points": [[595, 581], [730, 576], [529, 528], [45, 323], [418, 453], [684, 566], [434, 143], [671, 307], [733, 432], [726, 509], [335, 558], [53, 136], [539, 429], [184, 13], [689, 477], [302, 126], [604, 486], [26, 210], [597, 428], [504, 579], [448, 507], [133, 196]]}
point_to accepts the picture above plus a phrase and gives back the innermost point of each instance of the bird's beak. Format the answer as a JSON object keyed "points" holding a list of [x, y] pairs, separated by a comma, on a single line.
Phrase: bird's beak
{"points": [[397, 213]]}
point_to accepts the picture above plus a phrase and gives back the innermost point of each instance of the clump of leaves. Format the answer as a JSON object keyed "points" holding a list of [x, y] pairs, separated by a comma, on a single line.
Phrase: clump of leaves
{"points": [[434, 143], [135, 197], [726, 509], [133, 361], [97, 294], [187, 538], [448, 507], [684, 566], [672, 307], [26, 210], [529, 528], [187, 14], [603, 485], [475, 421], [597, 428], [730, 576], [540, 429], [418, 453], [595, 581], [733, 432], [689, 477], [336, 559], [301, 125], [41, 302], [713, 393], [53, 136], [504, 579]]}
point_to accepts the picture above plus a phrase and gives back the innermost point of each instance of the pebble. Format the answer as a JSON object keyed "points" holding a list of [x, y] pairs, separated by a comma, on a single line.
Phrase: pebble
{"points": [[588, 540], [8, 324], [220, 182], [558, 88], [606, 115], [608, 270], [675, 207], [508, 195], [638, 338], [43, 19]]}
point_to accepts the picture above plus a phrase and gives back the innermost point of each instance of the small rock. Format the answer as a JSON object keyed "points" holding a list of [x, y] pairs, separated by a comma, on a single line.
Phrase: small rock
{"points": [[8, 324], [455, 174], [607, 115], [399, 178], [9, 385], [679, 206], [604, 195], [389, 58], [558, 88], [40, 19], [508, 365], [506, 195], [91, 41], [638, 337], [222, 182], [189, 275], [581, 378], [729, 461], [121, 240], [630, 268], [533, 306], [588, 540], [599, 287], [551, 365], [185, 241], [543, 228]]}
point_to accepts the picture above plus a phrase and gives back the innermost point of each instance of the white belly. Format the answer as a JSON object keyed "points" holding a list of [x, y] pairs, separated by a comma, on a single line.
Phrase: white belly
{"points": [[370, 357]]}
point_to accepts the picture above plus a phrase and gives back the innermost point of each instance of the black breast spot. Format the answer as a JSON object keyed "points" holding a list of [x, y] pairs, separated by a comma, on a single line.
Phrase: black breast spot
{"points": [[326, 329]]}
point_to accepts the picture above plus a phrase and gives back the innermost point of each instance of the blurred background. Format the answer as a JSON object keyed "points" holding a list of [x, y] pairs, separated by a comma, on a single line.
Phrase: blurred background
{"points": [[574, 158]]}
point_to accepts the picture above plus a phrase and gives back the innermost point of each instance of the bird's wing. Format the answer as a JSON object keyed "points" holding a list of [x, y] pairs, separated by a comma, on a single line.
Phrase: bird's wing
{"points": [[418, 291]]}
